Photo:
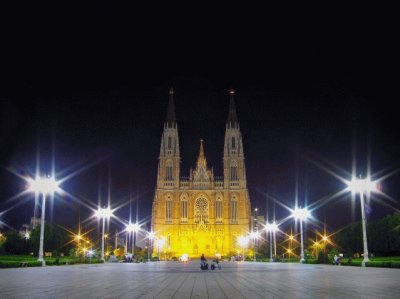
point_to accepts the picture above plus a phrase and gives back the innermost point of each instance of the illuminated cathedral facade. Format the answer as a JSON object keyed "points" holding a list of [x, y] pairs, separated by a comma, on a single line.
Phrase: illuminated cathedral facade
{"points": [[201, 213]]}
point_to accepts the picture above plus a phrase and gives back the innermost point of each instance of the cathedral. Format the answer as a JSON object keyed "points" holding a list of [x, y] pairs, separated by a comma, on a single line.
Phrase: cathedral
{"points": [[201, 213]]}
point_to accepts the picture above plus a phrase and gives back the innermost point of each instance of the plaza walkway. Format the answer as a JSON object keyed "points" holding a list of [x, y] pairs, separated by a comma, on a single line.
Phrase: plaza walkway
{"points": [[186, 280]]}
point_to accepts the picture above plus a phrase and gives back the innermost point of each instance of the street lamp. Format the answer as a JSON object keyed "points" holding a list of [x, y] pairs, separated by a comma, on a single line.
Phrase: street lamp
{"points": [[133, 228], [254, 236], [271, 228], [151, 236], [242, 240], [301, 214], [43, 185], [360, 186], [160, 244], [325, 239], [103, 213]]}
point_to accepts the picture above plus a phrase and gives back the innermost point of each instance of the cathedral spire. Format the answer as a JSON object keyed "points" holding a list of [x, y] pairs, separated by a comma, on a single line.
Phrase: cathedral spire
{"points": [[171, 119], [232, 116], [201, 160]]}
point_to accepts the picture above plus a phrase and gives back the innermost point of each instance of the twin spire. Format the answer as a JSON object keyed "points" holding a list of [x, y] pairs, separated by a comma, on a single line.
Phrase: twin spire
{"points": [[232, 120], [232, 116], [171, 119]]}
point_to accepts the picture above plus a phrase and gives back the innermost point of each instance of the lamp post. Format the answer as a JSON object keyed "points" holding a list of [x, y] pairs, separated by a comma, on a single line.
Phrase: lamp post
{"points": [[78, 238], [103, 213], [325, 239], [271, 229], [243, 242], [360, 186], [302, 214], [160, 244], [290, 245], [133, 228], [254, 236], [151, 236], [43, 185]]}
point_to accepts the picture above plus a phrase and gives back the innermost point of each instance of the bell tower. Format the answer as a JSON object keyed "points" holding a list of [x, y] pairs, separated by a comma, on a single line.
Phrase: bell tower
{"points": [[169, 159], [234, 168]]}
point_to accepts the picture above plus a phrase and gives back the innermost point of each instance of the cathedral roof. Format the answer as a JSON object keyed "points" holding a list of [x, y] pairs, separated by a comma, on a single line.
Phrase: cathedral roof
{"points": [[201, 176]]}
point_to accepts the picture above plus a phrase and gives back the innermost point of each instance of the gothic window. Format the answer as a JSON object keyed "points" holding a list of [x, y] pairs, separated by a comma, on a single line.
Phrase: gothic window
{"points": [[168, 175], [233, 143], [234, 210], [169, 142], [201, 211], [168, 210], [234, 171], [168, 171], [218, 210], [184, 210]]}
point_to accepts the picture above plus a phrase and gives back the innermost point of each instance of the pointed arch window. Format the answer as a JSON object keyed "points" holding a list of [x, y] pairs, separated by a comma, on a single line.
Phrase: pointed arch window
{"points": [[234, 210], [234, 171], [218, 210], [169, 240], [169, 143], [169, 171], [184, 210], [233, 142], [168, 210]]}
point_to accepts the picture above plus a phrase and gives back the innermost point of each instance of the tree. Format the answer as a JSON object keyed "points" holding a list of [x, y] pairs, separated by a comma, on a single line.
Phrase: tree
{"points": [[55, 240], [383, 237], [332, 254], [14, 244]]}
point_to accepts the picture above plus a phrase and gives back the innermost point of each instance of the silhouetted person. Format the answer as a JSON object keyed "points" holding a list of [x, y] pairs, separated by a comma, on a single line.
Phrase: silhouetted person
{"points": [[203, 262]]}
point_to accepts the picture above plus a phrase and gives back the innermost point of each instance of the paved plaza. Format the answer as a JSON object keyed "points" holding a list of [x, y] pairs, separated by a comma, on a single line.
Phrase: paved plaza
{"points": [[186, 280]]}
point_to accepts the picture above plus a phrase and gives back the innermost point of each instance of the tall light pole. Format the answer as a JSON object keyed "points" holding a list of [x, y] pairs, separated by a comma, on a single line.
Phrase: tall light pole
{"points": [[103, 213], [43, 185], [290, 245], [254, 236], [360, 186], [256, 233], [243, 243], [150, 236], [271, 228], [133, 228], [160, 244], [301, 214]]}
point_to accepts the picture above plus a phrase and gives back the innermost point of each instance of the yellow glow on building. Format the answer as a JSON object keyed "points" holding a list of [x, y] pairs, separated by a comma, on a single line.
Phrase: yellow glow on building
{"points": [[201, 213]]}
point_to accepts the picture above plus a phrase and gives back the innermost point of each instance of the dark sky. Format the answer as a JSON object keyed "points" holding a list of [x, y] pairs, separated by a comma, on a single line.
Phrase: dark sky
{"points": [[95, 79]]}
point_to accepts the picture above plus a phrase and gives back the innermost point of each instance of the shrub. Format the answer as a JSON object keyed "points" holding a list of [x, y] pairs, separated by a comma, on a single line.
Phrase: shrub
{"points": [[331, 255], [395, 264], [17, 264], [321, 257]]}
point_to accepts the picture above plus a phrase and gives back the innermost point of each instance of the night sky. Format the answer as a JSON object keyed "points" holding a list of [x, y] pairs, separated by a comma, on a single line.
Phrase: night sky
{"points": [[95, 79]]}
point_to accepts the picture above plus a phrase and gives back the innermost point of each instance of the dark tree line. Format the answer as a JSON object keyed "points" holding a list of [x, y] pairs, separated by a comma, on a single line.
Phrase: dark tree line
{"points": [[56, 240], [383, 237]]}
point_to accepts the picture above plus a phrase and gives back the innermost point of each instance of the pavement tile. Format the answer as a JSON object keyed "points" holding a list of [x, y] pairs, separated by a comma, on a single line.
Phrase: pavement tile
{"points": [[186, 280]]}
